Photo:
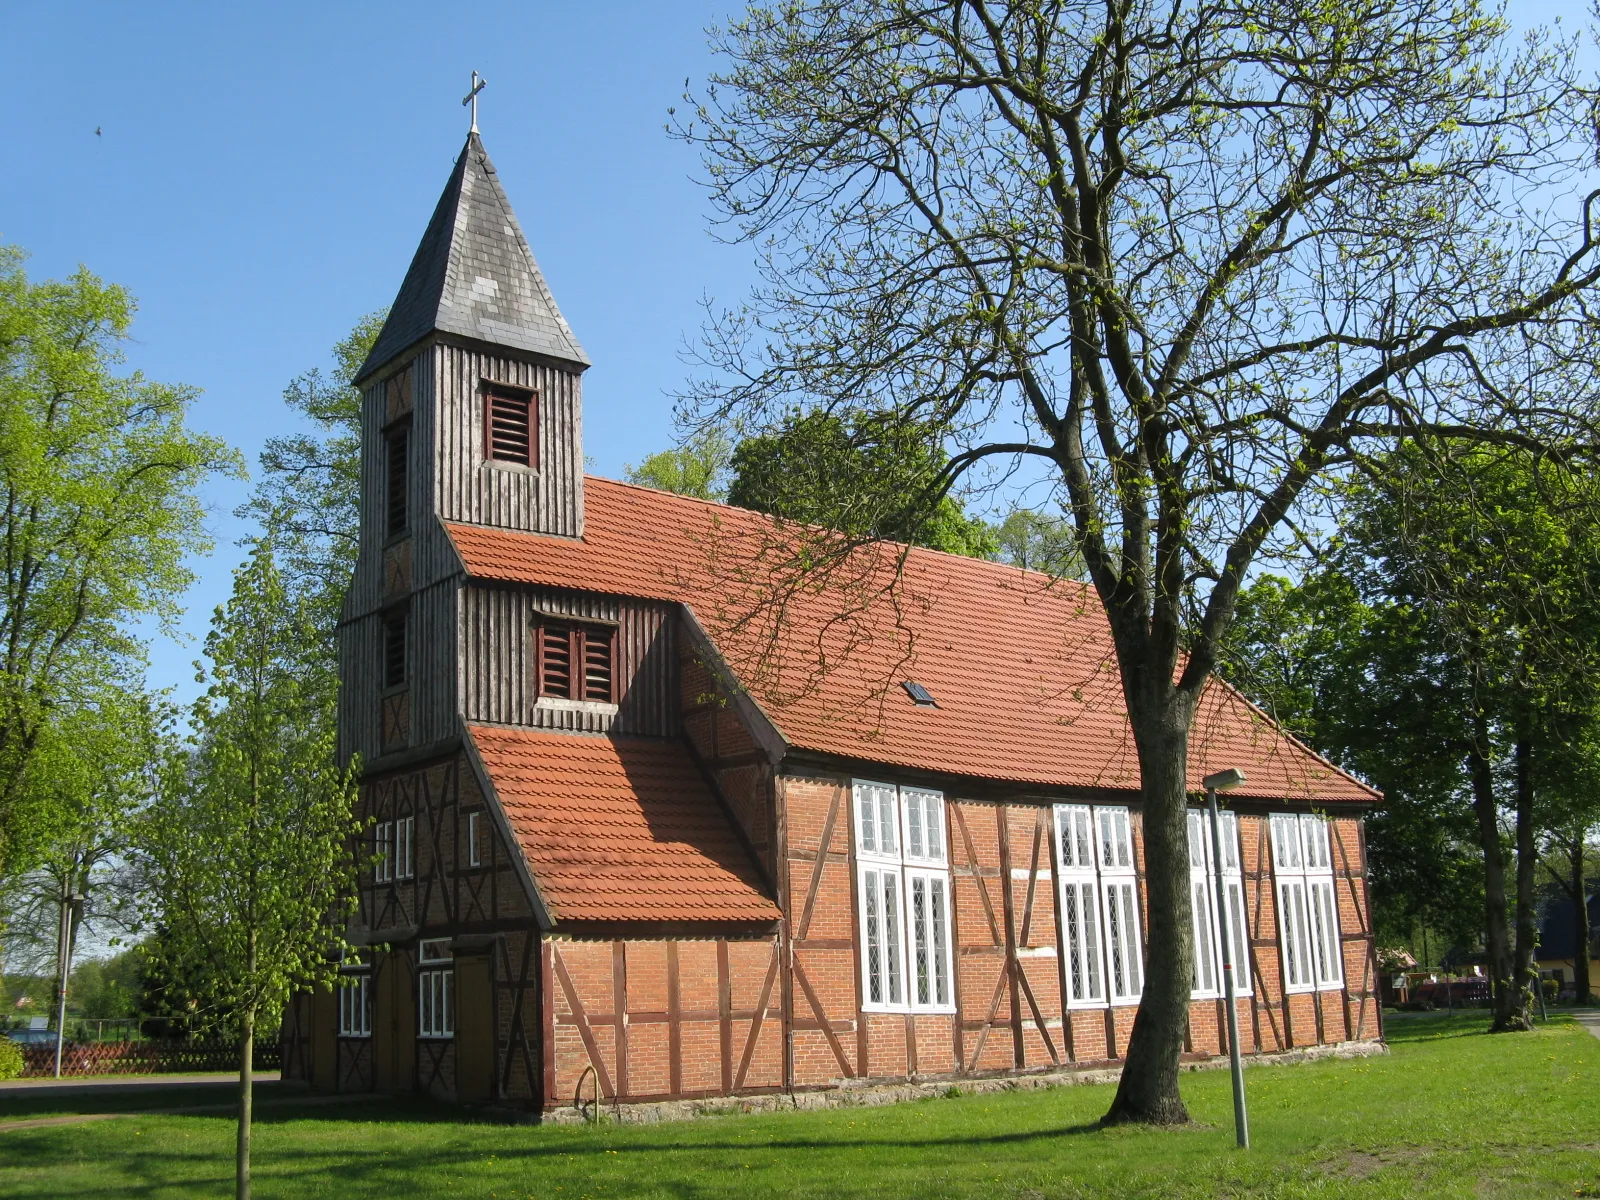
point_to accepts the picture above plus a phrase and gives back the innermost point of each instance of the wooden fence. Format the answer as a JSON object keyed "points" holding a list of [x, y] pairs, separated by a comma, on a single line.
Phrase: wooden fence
{"points": [[142, 1058]]}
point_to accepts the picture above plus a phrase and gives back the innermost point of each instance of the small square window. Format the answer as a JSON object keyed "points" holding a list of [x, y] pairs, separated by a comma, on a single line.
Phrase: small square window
{"points": [[576, 661], [511, 425]]}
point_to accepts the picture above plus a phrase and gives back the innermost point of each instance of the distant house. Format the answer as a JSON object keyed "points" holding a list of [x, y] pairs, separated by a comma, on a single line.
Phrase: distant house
{"points": [[646, 828], [1557, 940]]}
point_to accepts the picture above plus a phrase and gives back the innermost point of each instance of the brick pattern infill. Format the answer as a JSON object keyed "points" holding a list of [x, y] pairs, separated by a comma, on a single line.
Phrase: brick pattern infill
{"points": [[875, 1094]]}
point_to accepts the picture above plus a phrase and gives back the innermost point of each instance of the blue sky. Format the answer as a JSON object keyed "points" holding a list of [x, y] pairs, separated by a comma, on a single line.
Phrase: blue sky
{"points": [[264, 172]]}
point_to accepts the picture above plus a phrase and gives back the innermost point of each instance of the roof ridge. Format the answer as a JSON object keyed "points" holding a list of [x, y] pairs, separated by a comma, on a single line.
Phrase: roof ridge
{"points": [[678, 497]]}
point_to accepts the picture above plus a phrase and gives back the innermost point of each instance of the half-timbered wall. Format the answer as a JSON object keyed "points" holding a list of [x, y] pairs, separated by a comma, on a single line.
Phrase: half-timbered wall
{"points": [[497, 683], [1009, 981], [663, 1019], [485, 914]]}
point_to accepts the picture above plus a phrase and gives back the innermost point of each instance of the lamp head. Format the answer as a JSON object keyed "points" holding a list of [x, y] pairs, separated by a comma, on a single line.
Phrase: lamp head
{"points": [[1223, 781]]}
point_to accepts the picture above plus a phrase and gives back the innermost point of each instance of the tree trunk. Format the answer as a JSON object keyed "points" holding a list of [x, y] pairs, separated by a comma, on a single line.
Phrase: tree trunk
{"points": [[247, 1048], [1580, 925], [1496, 936], [1516, 1011], [1148, 1089]]}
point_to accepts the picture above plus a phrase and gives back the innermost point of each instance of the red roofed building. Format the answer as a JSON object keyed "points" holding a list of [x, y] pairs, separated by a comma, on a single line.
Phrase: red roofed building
{"points": [[650, 823]]}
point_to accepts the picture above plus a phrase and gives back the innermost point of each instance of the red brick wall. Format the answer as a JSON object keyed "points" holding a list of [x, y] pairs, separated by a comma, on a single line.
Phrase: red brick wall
{"points": [[1011, 1017], [727, 751], [661, 1019]]}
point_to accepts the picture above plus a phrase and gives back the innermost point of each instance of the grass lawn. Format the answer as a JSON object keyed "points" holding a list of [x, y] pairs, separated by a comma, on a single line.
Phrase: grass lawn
{"points": [[1451, 1112]]}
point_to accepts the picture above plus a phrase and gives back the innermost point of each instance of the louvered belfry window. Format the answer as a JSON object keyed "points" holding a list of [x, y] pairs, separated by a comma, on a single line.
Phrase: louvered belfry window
{"points": [[511, 422], [575, 661], [397, 444], [394, 649]]}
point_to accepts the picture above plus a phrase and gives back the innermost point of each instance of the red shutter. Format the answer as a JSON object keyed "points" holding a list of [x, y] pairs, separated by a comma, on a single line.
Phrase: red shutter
{"points": [[510, 426], [555, 660], [597, 672]]}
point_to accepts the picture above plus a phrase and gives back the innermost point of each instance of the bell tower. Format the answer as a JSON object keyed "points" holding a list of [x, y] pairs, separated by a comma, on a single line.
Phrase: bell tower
{"points": [[471, 413], [497, 406]]}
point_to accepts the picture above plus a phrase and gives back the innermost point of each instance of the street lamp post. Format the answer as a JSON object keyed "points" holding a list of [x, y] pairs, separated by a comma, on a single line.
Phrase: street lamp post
{"points": [[71, 908], [1224, 781]]}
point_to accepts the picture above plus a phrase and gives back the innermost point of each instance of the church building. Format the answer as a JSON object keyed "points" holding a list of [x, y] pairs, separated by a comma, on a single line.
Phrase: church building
{"points": [[647, 826]]}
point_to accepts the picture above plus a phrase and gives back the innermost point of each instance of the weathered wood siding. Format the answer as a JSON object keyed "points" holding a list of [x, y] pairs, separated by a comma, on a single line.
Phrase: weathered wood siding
{"points": [[439, 389], [497, 683], [547, 498]]}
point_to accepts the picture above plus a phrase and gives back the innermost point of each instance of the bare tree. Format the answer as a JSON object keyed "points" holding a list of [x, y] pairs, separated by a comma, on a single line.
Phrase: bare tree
{"points": [[1188, 262]]}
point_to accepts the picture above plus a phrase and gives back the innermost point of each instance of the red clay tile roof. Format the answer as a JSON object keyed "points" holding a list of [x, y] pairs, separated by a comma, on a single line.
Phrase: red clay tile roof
{"points": [[1021, 666], [619, 828]]}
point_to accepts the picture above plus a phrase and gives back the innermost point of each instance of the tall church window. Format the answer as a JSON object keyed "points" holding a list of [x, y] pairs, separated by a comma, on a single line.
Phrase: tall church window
{"points": [[1308, 915], [576, 661], [1099, 905], [1208, 980], [903, 881], [511, 425]]}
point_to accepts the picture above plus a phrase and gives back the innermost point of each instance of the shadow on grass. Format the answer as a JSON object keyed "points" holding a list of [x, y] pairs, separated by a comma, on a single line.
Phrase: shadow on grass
{"points": [[1410, 1028], [274, 1103], [360, 1169]]}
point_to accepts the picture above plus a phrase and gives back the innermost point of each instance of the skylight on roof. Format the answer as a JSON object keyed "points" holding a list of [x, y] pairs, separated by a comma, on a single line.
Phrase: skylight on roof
{"points": [[920, 696]]}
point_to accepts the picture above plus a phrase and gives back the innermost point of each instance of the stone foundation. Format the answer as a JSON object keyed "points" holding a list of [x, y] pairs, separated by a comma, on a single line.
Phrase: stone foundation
{"points": [[864, 1095]]}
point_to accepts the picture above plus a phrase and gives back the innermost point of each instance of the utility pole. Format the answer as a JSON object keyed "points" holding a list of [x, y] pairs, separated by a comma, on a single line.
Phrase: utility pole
{"points": [[71, 909], [1224, 781]]}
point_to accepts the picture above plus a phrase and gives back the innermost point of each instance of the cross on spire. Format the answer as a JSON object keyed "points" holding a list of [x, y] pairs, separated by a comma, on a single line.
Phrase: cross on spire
{"points": [[472, 99]]}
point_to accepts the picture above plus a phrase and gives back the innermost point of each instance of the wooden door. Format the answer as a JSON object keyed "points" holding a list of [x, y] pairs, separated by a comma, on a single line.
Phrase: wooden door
{"points": [[324, 1039], [394, 1025], [474, 1028]]}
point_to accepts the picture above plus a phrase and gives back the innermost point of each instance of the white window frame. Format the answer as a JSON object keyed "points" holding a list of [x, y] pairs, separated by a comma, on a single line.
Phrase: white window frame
{"points": [[1096, 870], [383, 852], [355, 1005], [1119, 891], [436, 1003], [905, 926], [1308, 910], [474, 858], [405, 847], [1208, 981], [1078, 901]]}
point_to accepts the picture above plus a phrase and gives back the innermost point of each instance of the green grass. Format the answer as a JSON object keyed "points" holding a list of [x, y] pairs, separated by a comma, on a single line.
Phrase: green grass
{"points": [[1451, 1112]]}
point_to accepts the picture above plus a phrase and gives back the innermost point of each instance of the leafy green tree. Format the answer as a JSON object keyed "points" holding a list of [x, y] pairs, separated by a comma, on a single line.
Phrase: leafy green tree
{"points": [[250, 849], [698, 468], [869, 479], [1449, 653], [98, 512], [309, 490], [1356, 680], [1191, 263], [94, 772], [1569, 850], [1036, 541]]}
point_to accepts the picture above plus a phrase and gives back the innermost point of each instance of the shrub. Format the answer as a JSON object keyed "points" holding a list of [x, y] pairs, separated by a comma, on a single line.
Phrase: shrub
{"points": [[10, 1058]]}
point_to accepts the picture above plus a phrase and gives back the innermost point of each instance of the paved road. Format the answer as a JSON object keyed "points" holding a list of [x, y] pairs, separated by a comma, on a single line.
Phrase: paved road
{"points": [[1589, 1018]]}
